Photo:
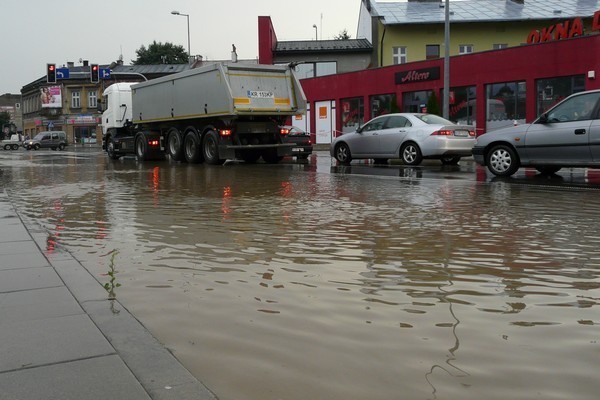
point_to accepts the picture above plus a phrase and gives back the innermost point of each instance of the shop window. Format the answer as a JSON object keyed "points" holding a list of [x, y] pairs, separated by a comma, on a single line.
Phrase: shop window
{"points": [[465, 49], [415, 101], [432, 51], [353, 111], [551, 91], [75, 99], [505, 104], [399, 55], [462, 105], [383, 104]]}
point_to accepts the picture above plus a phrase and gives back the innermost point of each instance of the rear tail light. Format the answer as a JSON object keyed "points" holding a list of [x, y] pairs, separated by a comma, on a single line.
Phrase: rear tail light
{"points": [[284, 131], [153, 143], [225, 132], [443, 132], [472, 133]]}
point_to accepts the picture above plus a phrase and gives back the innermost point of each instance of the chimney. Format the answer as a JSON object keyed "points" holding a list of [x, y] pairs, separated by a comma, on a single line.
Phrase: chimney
{"points": [[70, 64], [86, 63], [522, 2]]}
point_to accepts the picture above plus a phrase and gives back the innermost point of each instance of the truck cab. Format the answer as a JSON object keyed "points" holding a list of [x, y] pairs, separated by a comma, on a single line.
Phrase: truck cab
{"points": [[116, 118]]}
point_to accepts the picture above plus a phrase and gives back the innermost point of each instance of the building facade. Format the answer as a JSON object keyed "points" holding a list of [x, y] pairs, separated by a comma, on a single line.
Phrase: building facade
{"points": [[403, 32]]}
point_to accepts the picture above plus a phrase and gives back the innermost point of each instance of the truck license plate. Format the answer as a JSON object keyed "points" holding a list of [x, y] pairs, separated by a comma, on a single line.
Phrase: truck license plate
{"points": [[297, 149], [260, 94]]}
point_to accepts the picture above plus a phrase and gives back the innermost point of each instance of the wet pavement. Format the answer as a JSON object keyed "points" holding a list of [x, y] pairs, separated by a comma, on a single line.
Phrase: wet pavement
{"points": [[313, 280]]}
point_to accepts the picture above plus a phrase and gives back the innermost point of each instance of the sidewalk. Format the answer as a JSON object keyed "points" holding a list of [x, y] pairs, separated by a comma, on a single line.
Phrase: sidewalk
{"points": [[62, 339]]}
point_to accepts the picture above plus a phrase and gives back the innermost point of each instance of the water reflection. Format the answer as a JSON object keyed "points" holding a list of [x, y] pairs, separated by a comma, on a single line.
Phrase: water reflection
{"points": [[287, 282]]}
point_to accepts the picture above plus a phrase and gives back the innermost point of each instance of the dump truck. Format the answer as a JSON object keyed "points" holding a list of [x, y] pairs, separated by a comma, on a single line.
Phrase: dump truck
{"points": [[209, 114]]}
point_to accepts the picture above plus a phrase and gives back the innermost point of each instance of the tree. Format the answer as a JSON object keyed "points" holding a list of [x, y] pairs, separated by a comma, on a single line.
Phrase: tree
{"points": [[343, 35], [433, 104], [4, 118], [161, 53]]}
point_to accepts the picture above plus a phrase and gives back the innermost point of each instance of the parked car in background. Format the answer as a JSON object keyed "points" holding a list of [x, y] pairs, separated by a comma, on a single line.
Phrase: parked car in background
{"points": [[410, 137], [293, 134], [567, 135], [47, 140]]}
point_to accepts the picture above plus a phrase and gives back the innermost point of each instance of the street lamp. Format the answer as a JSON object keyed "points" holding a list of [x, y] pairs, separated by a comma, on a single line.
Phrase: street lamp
{"points": [[188, 26], [446, 100], [316, 32]]}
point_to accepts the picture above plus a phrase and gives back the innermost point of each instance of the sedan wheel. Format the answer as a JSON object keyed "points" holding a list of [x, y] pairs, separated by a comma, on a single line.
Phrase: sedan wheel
{"points": [[411, 154], [502, 161], [342, 153]]}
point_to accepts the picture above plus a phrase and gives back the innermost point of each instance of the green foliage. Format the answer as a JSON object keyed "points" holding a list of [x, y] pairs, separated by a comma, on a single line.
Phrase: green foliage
{"points": [[160, 53], [343, 35], [433, 104], [4, 118], [111, 285]]}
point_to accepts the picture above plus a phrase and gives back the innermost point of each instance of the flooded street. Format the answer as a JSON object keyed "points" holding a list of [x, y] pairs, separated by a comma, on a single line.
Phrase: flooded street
{"points": [[312, 281]]}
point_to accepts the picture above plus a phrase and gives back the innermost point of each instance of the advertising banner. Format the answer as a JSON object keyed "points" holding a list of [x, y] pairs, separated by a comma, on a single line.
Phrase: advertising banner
{"points": [[51, 97]]}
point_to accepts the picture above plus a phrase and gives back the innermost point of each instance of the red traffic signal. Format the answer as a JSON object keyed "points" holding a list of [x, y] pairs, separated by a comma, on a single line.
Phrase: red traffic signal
{"points": [[94, 73], [51, 73]]}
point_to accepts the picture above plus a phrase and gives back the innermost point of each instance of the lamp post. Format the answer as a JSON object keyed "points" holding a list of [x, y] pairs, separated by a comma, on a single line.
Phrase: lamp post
{"points": [[188, 28], [316, 32], [446, 102]]}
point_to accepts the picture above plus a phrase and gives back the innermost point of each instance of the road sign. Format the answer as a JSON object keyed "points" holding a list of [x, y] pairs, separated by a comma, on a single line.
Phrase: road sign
{"points": [[62, 73], [104, 73]]}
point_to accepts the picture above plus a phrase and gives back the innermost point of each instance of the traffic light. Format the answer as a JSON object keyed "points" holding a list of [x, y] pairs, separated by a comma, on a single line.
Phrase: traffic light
{"points": [[51, 73], [94, 71]]}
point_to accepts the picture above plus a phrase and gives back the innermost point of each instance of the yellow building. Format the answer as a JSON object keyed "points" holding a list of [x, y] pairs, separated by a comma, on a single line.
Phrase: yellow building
{"points": [[410, 31]]}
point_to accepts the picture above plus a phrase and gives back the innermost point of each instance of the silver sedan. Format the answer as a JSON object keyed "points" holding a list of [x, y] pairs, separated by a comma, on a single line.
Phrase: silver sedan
{"points": [[410, 137], [567, 135]]}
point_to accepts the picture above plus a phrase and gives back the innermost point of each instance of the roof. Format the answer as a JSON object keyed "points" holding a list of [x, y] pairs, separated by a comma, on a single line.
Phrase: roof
{"points": [[305, 46], [482, 10], [152, 69]]}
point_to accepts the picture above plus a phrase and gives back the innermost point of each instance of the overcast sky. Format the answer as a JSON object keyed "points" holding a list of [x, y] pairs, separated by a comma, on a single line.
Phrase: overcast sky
{"points": [[36, 32]]}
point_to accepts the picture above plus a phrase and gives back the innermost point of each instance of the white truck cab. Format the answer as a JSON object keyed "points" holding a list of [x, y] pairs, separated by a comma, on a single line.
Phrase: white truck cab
{"points": [[117, 106]]}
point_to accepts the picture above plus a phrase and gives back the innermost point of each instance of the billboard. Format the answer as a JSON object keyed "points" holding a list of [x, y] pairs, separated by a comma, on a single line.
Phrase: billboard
{"points": [[51, 97]]}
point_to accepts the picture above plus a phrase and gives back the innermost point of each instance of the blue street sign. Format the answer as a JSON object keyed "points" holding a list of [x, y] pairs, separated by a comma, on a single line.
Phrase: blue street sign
{"points": [[104, 73], [62, 73]]}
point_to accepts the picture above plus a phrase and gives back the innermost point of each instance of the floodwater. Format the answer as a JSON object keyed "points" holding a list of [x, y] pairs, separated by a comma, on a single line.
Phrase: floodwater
{"points": [[291, 282]]}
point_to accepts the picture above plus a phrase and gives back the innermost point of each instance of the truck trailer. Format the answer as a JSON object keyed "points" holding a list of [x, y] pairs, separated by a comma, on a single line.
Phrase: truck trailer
{"points": [[209, 114]]}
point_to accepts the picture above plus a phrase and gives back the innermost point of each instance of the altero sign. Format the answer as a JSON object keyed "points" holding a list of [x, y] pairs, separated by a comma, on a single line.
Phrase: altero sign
{"points": [[563, 30]]}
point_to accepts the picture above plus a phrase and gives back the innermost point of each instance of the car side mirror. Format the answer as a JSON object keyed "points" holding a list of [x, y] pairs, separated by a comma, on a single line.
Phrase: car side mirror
{"points": [[543, 119]]}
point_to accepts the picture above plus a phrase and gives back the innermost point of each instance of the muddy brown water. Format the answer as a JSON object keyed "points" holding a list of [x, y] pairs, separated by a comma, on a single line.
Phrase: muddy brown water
{"points": [[281, 282]]}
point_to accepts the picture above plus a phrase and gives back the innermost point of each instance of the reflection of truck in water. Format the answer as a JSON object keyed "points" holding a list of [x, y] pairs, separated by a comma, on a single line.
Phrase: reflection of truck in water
{"points": [[207, 114], [10, 139]]}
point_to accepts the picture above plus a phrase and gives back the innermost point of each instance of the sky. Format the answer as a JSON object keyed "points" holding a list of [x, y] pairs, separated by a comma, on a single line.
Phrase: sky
{"points": [[36, 32]]}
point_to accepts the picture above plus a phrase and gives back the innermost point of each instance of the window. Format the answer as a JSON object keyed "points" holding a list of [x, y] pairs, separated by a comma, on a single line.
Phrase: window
{"points": [[578, 108], [397, 121], [463, 105], [92, 99], [551, 91], [383, 104], [399, 55], [432, 51], [498, 46], [465, 49], [353, 112], [505, 104], [314, 69], [75, 99], [415, 101]]}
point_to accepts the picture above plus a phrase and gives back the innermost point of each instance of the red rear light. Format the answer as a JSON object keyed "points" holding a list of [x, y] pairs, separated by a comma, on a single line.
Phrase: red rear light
{"points": [[225, 132], [284, 131], [153, 143], [443, 132], [472, 133]]}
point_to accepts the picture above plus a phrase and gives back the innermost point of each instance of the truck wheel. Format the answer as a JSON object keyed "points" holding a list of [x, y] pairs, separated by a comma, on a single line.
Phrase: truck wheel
{"points": [[15, 147], [210, 148], [7, 147], [191, 148], [175, 145], [110, 150], [141, 151], [270, 156]]}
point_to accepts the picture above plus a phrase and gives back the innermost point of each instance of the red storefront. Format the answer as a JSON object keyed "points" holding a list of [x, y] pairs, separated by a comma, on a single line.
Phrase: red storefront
{"points": [[488, 89]]}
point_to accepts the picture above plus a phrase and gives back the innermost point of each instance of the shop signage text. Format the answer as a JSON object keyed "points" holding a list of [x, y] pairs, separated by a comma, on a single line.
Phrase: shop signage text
{"points": [[418, 75], [564, 30]]}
